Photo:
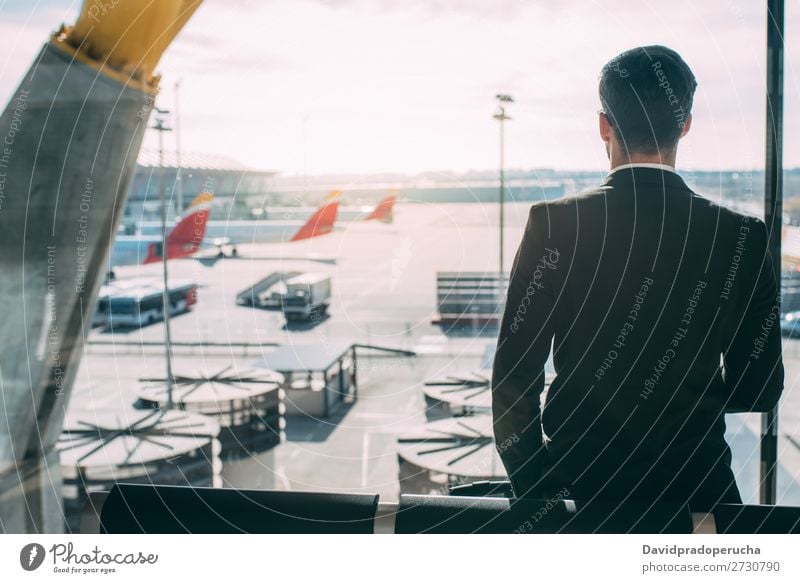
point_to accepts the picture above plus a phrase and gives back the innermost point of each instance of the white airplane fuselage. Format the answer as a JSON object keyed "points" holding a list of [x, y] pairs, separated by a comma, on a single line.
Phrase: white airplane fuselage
{"points": [[240, 232]]}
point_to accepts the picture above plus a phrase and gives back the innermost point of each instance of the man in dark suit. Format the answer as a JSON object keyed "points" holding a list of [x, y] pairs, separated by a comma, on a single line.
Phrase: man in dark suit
{"points": [[661, 308]]}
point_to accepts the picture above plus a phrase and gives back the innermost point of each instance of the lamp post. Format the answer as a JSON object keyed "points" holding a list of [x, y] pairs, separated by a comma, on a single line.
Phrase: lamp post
{"points": [[503, 100], [178, 169], [160, 127]]}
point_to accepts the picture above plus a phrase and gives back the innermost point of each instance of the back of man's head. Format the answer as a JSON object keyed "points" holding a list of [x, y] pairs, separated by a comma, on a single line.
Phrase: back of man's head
{"points": [[646, 94]]}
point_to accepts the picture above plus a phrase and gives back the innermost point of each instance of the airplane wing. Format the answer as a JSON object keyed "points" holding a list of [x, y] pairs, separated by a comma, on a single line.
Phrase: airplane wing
{"points": [[210, 258]]}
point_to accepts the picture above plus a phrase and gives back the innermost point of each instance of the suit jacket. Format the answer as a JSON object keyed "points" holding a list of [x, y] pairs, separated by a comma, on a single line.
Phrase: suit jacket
{"points": [[662, 311]]}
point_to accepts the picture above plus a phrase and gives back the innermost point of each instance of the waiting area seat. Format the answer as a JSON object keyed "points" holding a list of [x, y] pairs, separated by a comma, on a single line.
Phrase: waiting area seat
{"points": [[493, 515], [136, 508]]}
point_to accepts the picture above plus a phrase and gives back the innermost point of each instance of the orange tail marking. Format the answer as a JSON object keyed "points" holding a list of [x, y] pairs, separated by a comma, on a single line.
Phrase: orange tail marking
{"points": [[383, 211], [321, 222]]}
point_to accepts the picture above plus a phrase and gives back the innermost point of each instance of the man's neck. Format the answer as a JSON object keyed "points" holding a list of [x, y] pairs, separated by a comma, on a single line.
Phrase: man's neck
{"points": [[662, 158]]}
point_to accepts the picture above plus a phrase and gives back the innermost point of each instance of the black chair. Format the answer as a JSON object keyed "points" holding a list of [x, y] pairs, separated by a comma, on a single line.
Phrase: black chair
{"points": [[465, 514], [756, 519], [134, 508]]}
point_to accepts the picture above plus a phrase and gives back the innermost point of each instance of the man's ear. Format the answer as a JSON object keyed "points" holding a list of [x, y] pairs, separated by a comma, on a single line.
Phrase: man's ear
{"points": [[605, 128], [686, 125]]}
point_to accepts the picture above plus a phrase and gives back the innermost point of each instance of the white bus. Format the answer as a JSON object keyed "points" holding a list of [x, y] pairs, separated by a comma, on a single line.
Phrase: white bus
{"points": [[139, 302]]}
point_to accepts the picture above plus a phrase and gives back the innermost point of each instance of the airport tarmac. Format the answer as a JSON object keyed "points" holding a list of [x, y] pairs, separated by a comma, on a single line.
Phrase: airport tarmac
{"points": [[384, 293], [384, 279]]}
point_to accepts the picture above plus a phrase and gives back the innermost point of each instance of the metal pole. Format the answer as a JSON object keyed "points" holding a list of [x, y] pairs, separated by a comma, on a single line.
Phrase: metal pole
{"points": [[502, 195], [178, 170], [773, 216], [161, 128], [501, 116]]}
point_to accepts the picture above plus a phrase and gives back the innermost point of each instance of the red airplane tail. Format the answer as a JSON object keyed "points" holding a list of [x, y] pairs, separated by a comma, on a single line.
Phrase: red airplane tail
{"points": [[384, 210], [187, 236], [322, 221]]}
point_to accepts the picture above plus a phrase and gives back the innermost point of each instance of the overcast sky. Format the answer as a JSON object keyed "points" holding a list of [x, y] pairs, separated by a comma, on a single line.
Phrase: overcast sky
{"points": [[401, 85]]}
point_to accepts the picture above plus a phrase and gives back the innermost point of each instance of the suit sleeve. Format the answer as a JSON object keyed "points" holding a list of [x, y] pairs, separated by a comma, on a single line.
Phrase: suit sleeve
{"points": [[523, 347], [753, 361]]}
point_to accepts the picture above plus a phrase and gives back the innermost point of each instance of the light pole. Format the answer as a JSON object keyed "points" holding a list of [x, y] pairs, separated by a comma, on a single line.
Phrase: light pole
{"points": [[503, 100], [161, 128], [178, 176]]}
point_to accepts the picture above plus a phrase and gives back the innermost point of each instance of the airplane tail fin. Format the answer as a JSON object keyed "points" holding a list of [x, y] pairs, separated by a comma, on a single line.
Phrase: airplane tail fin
{"points": [[188, 234], [186, 237], [322, 221], [384, 210]]}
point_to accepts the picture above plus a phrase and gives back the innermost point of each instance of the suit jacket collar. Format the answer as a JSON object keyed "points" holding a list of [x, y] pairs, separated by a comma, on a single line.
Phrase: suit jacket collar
{"points": [[643, 165], [648, 176]]}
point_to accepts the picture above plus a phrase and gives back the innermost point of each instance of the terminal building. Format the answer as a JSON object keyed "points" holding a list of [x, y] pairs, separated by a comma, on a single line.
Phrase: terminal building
{"points": [[427, 187], [188, 174]]}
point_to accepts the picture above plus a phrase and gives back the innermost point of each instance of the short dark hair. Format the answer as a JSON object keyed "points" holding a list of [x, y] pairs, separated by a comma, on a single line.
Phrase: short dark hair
{"points": [[647, 95]]}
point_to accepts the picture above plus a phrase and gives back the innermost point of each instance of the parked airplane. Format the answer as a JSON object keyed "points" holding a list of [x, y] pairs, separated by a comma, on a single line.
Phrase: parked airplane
{"points": [[221, 233], [184, 240], [383, 211]]}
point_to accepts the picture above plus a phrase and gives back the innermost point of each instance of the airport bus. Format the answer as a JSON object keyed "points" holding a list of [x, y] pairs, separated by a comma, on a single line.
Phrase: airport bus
{"points": [[139, 302]]}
